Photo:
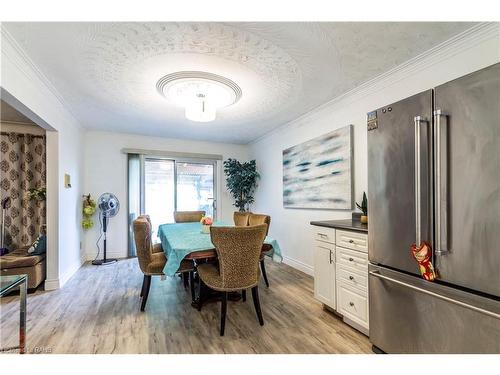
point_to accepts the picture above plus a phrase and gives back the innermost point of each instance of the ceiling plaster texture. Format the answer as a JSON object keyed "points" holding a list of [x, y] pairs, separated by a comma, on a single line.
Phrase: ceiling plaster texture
{"points": [[106, 73]]}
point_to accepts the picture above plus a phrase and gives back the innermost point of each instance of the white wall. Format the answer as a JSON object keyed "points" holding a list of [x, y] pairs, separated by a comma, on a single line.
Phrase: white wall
{"points": [[465, 54], [106, 171], [25, 88], [17, 127]]}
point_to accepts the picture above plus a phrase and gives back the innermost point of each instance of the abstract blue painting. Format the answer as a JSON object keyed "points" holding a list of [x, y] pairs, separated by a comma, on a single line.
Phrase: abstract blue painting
{"points": [[318, 174]]}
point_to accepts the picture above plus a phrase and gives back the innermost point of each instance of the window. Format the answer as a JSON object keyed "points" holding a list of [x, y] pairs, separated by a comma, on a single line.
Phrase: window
{"points": [[159, 186]]}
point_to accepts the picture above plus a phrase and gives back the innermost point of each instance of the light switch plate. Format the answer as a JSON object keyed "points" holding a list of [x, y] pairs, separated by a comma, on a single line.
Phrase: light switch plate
{"points": [[67, 180]]}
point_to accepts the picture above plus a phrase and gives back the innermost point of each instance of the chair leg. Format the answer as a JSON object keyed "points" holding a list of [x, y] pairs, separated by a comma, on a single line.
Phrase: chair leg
{"points": [[244, 295], [191, 284], [200, 293], [256, 303], [143, 284], [185, 278], [223, 313], [147, 285], [264, 274]]}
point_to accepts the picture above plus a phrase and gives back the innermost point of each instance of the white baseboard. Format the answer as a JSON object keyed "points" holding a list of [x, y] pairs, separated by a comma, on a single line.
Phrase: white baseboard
{"points": [[69, 273], [297, 264], [51, 284]]}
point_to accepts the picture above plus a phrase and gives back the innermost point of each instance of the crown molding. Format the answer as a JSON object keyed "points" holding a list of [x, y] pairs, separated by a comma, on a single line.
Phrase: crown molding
{"points": [[458, 43], [23, 62]]}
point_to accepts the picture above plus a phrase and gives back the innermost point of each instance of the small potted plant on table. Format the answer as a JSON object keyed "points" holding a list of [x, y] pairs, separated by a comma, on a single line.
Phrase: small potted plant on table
{"points": [[364, 208]]}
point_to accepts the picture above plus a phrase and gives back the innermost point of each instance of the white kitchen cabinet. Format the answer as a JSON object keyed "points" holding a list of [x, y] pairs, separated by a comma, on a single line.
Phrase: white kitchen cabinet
{"points": [[341, 273], [324, 273]]}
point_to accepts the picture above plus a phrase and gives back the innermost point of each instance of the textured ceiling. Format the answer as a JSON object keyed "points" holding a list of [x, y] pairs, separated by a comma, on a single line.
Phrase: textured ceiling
{"points": [[106, 72]]}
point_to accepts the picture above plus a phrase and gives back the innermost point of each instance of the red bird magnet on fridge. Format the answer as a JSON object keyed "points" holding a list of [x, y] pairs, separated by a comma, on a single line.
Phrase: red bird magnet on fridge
{"points": [[423, 256]]}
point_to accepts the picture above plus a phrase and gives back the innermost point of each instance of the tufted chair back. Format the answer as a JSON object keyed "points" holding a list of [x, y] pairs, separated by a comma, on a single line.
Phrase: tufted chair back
{"points": [[143, 243], [256, 219], [238, 250], [188, 216], [241, 218]]}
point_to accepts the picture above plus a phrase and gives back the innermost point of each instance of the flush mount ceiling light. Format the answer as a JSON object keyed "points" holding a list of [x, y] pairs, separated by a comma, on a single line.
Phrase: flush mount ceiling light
{"points": [[199, 93]]}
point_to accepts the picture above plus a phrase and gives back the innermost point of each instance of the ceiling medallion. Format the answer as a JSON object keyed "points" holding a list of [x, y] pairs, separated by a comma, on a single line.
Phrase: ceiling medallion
{"points": [[199, 93]]}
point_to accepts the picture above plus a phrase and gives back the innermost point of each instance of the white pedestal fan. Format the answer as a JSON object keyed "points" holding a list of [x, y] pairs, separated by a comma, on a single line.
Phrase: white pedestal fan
{"points": [[108, 206]]}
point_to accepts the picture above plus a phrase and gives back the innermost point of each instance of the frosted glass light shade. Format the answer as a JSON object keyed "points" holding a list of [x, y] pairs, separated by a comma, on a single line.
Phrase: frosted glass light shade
{"points": [[199, 93], [200, 110]]}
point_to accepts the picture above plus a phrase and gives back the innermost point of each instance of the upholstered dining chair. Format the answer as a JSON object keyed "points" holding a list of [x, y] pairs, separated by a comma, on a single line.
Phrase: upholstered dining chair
{"points": [[156, 247], [188, 216], [151, 257], [240, 218], [256, 219], [238, 250]]}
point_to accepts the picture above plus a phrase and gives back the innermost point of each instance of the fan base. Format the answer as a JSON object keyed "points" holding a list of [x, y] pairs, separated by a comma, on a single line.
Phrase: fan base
{"points": [[101, 262]]}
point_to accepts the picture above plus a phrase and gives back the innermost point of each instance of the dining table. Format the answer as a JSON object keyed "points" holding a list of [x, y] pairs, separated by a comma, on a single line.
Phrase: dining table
{"points": [[188, 241]]}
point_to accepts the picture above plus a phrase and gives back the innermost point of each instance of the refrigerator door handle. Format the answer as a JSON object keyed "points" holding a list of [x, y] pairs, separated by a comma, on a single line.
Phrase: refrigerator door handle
{"points": [[440, 183], [418, 120], [437, 295]]}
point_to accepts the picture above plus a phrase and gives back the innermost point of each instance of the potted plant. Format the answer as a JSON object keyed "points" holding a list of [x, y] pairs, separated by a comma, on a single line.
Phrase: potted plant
{"points": [[364, 208], [206, 222], [89, 207], [241, 181]]}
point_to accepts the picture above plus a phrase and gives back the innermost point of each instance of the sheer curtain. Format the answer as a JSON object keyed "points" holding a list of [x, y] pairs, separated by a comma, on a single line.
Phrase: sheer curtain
{"points": [[134, 198]]}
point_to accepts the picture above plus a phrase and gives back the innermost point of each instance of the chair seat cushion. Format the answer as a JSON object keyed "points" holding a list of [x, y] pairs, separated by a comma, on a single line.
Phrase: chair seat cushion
{"points": [[20, 258], [158, 261], [209, 273]]}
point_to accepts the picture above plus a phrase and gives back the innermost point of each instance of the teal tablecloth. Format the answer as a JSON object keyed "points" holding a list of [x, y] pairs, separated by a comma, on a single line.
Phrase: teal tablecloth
{"points": [[180, 239]]}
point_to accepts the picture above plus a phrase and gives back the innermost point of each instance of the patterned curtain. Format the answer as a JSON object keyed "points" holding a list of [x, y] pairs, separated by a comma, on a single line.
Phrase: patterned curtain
{"points": [[23, 168]]}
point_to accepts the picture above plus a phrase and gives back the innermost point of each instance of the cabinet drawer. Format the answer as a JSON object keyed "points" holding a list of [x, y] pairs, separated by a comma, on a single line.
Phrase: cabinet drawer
{"points": [[324, 234], [352, 259], [352, 240], [352, 277], [352, 304]]}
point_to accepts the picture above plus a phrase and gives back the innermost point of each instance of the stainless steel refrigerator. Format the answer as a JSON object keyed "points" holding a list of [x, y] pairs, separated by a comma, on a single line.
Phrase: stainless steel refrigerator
{"points": [[434, 176]]}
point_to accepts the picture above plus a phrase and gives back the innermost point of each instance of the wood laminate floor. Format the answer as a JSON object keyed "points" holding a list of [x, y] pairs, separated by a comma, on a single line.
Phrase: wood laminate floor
{"points": [[97, 311]]}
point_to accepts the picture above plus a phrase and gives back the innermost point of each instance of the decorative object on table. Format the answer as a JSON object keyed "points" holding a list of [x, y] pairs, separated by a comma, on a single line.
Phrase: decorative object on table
{"points": [[423, 256], [241, 181], [206, 223], [5, 206], [89, 208], [109, 206], [364, 208], [318, 173], [39, 194]]}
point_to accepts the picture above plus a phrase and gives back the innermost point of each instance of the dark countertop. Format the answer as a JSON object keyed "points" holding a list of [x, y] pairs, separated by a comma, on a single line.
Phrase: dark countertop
{"points": [[348, 224]]}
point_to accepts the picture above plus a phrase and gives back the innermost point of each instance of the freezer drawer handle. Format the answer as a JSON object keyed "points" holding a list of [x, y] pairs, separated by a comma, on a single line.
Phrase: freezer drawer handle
{"points": [[440, 296], [440, 184]]}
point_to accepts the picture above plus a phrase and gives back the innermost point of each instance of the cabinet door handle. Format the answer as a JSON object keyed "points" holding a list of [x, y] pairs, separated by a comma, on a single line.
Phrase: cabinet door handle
{"points": [[351, 277], [330, 257], [351, 260], [351, 303], [351, 241]]}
